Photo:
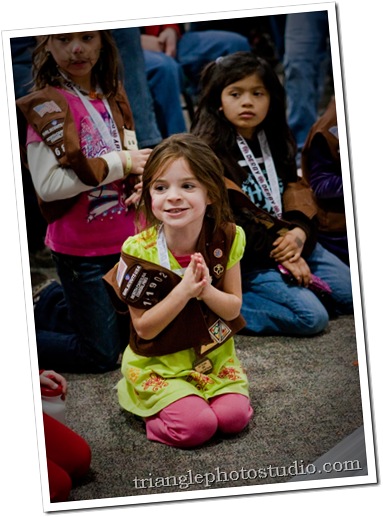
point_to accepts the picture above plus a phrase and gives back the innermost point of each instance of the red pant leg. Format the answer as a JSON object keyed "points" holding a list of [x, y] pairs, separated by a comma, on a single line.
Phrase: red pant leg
{"points": [[60, 483], [65, 448]]}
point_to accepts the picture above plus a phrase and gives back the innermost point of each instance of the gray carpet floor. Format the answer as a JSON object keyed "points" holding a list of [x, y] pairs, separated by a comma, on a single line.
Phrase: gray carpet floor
{"points": [[306, 398]]}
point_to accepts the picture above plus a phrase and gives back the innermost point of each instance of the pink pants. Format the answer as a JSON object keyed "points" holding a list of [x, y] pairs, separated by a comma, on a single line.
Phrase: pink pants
{"points": [[191, 421]]}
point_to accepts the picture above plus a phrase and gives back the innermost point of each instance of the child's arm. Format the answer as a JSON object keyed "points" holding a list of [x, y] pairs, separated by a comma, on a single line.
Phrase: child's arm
{"points": [[227, 303], [290, 246], [52, 181], [300, 271], [51, 379], [149, 323]]}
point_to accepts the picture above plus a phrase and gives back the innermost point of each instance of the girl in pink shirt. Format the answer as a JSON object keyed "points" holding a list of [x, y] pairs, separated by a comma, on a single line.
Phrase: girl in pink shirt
{"points": [[80, 151]]}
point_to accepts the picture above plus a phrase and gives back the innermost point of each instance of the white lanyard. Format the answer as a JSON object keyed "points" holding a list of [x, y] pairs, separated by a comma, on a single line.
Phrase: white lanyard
{"points": [[270, 190], [163, 254], [113, 141]]}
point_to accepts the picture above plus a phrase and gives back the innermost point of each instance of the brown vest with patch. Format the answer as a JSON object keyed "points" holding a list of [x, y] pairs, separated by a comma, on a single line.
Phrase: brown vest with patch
{"points": [[48, 112], [142, 284]]}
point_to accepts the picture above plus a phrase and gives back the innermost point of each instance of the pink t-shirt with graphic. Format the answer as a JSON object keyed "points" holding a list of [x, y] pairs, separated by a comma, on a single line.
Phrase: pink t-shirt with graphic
{"points": [[99, 222]]}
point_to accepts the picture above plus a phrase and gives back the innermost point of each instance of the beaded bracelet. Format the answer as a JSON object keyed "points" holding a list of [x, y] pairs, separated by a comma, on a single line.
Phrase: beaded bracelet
{"points": [[128, 166]]}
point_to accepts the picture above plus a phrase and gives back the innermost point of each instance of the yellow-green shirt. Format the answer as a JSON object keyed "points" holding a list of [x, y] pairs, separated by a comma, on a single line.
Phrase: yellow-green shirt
{"points": [[151, 383]]}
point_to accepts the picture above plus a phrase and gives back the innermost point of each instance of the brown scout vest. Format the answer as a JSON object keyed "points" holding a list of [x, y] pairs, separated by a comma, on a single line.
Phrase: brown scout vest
{"points": [[48, 112], [144, 284], [237, 197], [330, 218], [297, 196]]}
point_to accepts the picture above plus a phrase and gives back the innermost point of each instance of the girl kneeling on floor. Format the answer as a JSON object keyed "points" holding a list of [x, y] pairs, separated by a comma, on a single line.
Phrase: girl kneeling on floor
{"points": [[181, 280]]}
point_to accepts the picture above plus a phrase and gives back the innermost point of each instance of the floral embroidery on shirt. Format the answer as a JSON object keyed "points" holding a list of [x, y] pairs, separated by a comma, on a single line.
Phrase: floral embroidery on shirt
{"points": [[200, 380], [155, 382], [229, 372], [133, 374]]}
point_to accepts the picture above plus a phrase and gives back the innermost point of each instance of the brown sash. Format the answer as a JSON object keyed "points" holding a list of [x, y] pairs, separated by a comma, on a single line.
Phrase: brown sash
{"points": [[48, 112], [142, 284], [238, 198]]}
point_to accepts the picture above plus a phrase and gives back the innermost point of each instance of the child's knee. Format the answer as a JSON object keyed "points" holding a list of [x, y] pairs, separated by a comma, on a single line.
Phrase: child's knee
{"points": [[314, 324], [200, 428], [233, 412], [188, 422]]}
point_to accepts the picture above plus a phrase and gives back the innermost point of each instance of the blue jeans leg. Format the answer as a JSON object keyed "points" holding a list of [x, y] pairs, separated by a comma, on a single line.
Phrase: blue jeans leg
{"points": [[272, 306], [51, 311], [197, 48], [305, 64], [63, 353], [89, 337], [59, 347], [136, 85], [21, 50], [336, 273], [165, 81]]}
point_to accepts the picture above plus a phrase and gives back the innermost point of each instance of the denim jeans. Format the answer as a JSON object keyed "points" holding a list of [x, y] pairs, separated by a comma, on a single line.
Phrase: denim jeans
{"points": [[77, 328], [306, 62], [197, 48], [137, 87], [21, 51], [169, 77], [165, 80], [273, 306]]}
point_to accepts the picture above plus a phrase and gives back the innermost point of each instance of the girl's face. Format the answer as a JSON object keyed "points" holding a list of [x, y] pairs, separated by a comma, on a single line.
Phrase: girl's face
{"points": [[245, 104], [178, 198], [76, 53]]}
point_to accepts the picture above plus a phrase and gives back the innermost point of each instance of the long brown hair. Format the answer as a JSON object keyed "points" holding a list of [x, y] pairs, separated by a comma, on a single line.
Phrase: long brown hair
{"points": [[211, 125], [105, 73], [203, 163]]}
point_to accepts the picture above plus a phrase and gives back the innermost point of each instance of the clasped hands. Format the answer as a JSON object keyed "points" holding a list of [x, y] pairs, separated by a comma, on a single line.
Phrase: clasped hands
{"points": [[287, 252]]}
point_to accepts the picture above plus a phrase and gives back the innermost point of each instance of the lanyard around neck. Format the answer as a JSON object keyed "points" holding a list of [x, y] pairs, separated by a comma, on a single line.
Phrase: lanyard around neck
{"points": [[113, 142], [269, 188], [163, 254]]}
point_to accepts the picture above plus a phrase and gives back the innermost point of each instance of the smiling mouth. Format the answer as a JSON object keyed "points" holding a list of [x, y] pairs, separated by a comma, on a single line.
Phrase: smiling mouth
{"points": [[175, 210]]}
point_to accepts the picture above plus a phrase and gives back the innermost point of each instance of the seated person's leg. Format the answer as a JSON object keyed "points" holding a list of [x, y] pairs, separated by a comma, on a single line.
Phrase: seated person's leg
{"points": [[197, 48], [68, 457], [164, 77], [273, 306], [129, 45]]}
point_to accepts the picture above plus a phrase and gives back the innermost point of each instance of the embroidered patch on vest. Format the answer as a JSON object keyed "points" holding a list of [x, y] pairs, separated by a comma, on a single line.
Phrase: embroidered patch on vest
{"points": [[219, 331], [47, 107], [53, 132], [53, 135], [139, 286]]}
